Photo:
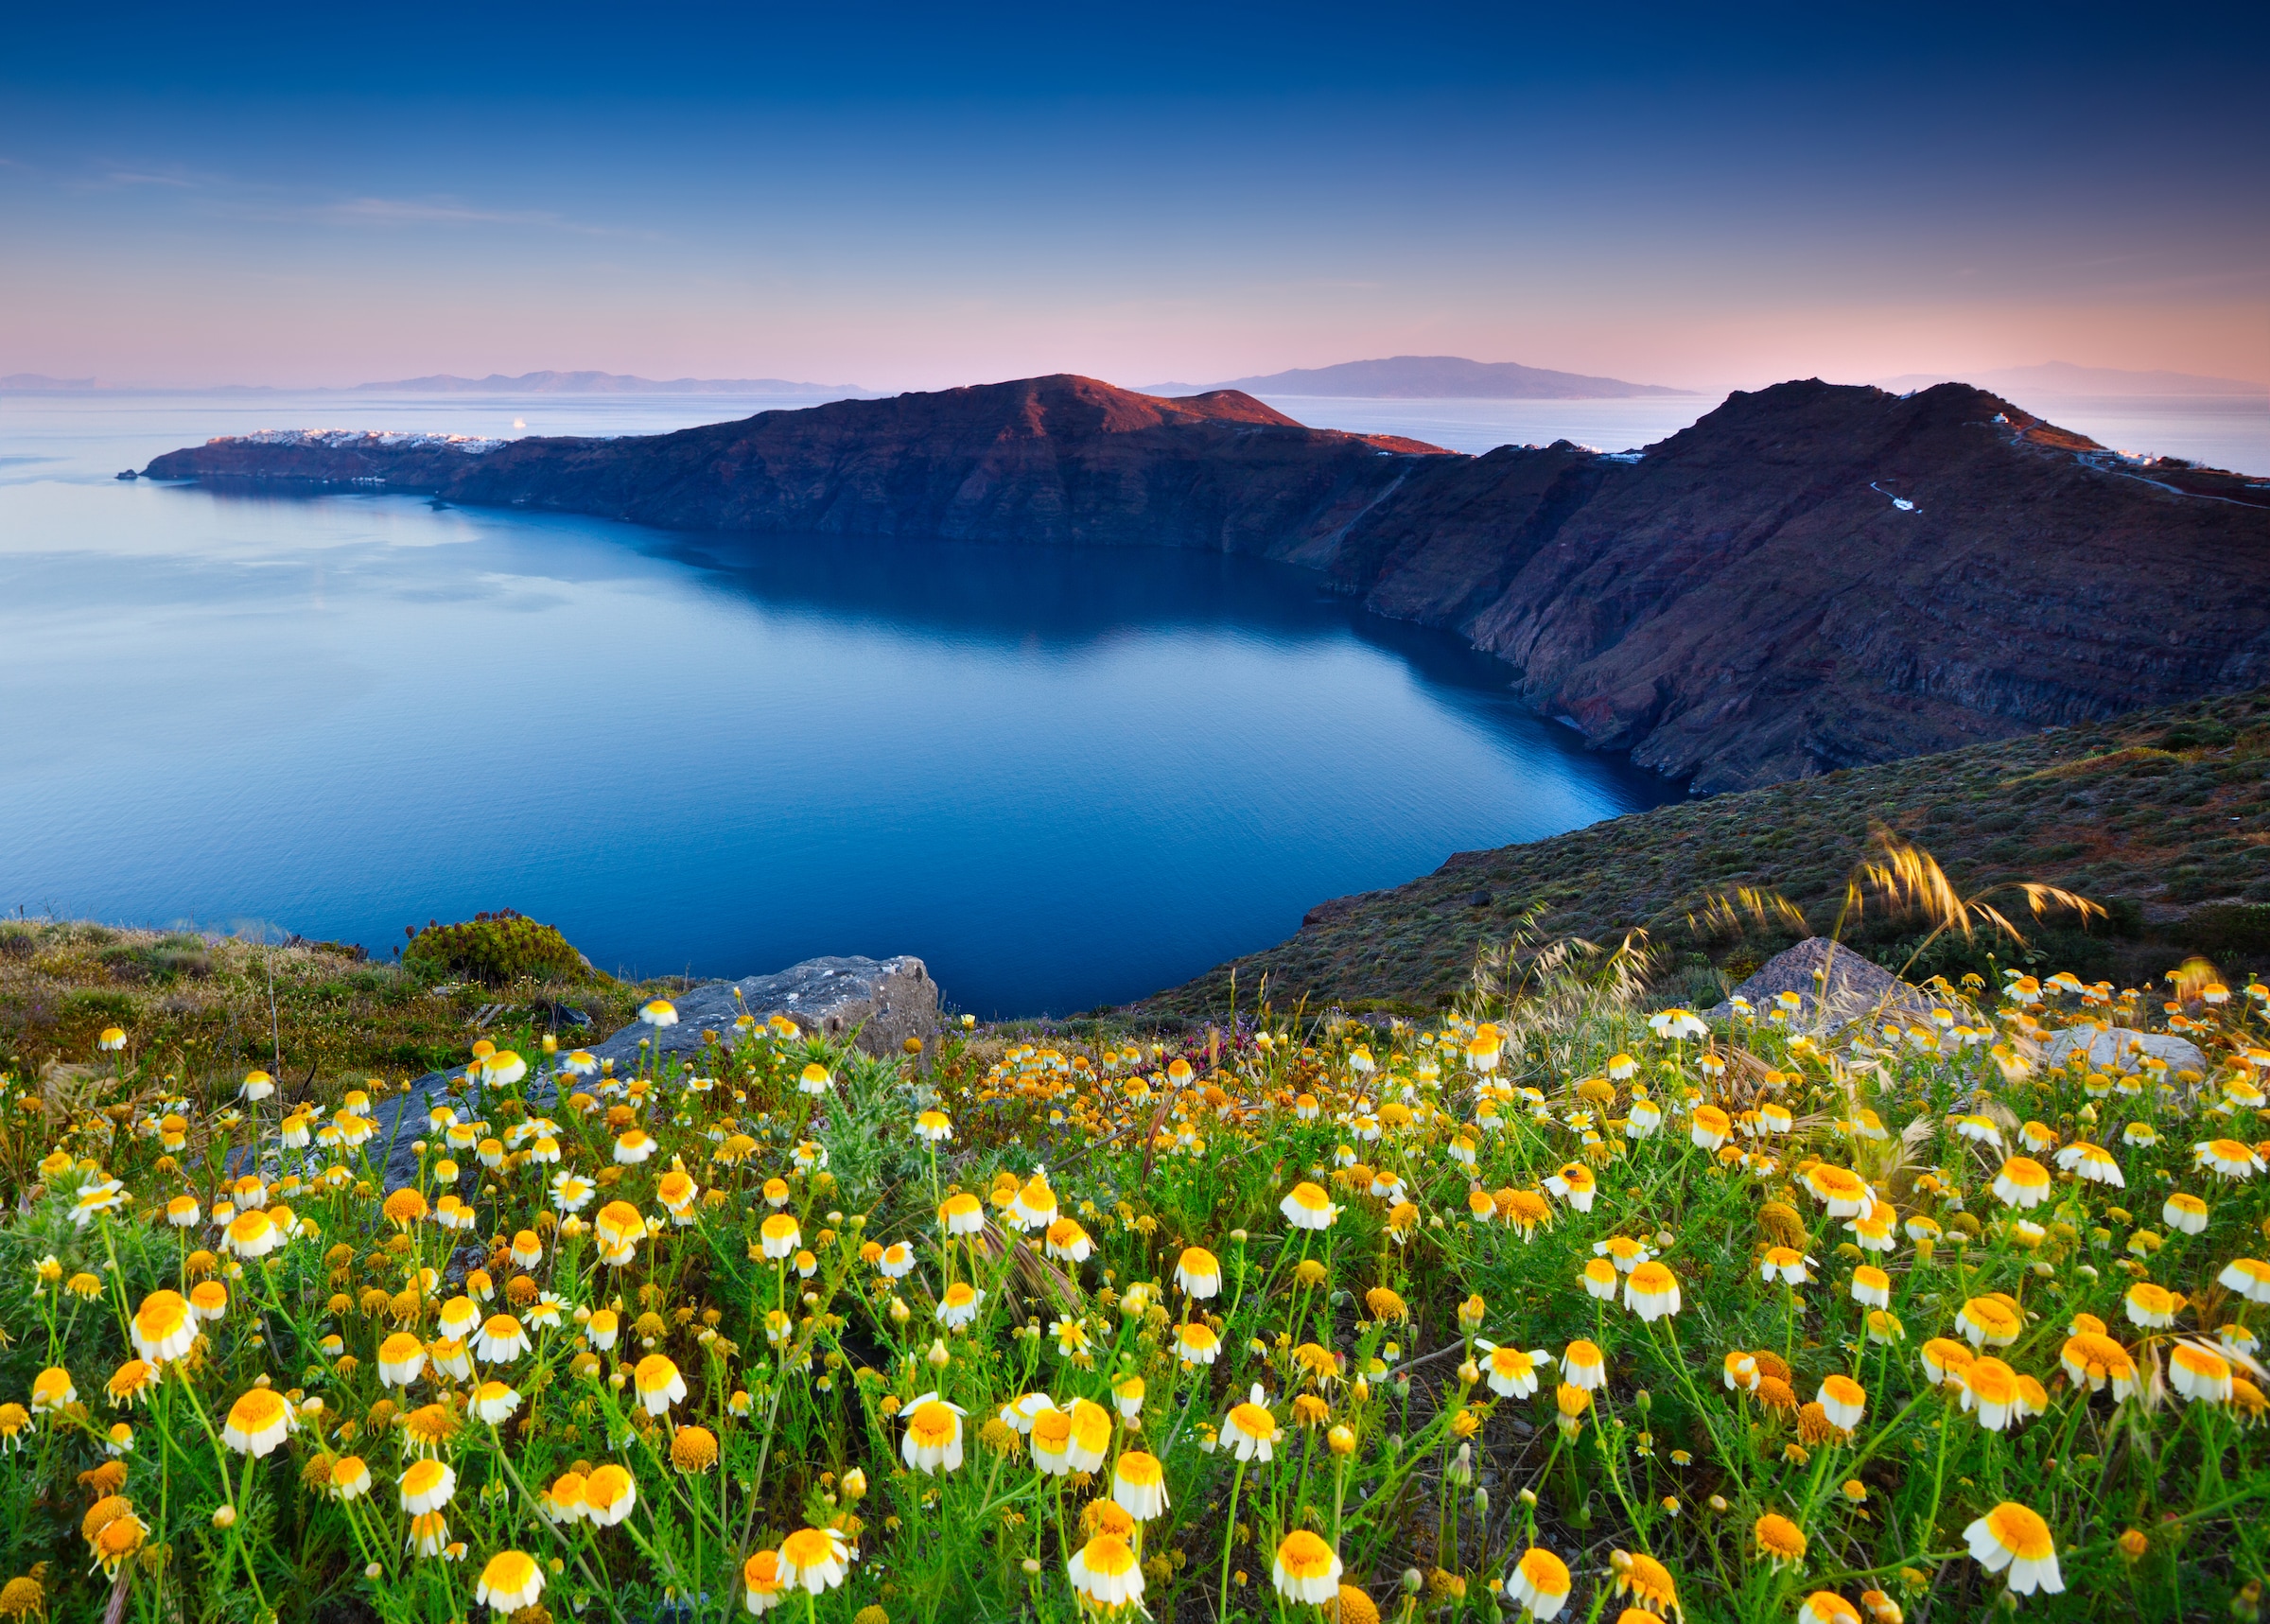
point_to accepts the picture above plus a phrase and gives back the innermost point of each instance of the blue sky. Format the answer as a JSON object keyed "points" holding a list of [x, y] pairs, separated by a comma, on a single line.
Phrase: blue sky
{"points": [[912, 197]]}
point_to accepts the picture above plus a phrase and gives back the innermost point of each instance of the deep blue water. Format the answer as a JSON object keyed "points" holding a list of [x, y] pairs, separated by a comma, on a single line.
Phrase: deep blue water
{"points": [[1062, 778]]}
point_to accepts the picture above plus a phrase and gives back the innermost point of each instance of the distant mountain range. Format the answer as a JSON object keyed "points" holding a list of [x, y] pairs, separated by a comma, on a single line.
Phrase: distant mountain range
{"points": [[446, 383], [1430, 377], [2063, 379]]}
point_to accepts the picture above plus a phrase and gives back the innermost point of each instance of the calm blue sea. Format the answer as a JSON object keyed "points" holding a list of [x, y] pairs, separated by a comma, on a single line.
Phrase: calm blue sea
{"points": [[1060, 777]]}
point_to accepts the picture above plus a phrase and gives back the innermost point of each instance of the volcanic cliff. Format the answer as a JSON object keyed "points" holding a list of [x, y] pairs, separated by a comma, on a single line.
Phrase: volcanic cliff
{"points": [[1810, 577], [1053, 460]]}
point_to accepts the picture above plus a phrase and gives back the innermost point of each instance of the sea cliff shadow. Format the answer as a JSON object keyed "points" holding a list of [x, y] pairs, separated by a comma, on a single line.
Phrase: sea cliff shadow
{"points": [[1062, 600]]}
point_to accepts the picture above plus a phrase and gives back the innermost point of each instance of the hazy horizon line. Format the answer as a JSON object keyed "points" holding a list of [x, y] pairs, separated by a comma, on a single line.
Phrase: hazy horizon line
{"points": [[608, 382]]}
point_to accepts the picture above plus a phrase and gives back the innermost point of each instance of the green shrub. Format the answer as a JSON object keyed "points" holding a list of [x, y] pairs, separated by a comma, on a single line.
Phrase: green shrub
{"points": [[163, 961], [492, 948], [95, 1008], [2236, 930], [2197, 735]]}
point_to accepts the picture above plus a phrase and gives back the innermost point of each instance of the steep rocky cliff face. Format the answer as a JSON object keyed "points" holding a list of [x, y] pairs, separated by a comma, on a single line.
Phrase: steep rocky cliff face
{"points": [[1810, 577], [1813, 577]]}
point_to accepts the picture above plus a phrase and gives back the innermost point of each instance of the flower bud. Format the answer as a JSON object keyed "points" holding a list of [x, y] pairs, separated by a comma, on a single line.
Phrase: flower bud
{"points": [[224, 1516]]}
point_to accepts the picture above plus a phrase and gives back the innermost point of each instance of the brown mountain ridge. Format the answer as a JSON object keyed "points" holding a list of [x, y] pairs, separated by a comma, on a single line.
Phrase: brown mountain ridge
{"points": [[1810, 577]]}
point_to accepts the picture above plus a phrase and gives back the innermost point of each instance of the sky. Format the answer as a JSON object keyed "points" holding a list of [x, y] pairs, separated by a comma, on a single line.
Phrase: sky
{"points": [[901, 196]]}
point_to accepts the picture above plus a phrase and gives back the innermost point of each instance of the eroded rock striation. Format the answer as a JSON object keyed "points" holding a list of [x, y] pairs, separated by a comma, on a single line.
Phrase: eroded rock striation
{"points": [[1812, 576]]}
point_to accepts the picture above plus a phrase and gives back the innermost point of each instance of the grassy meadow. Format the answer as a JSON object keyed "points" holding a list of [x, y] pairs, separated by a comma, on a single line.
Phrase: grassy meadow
{"points": [[1559, 1302]]}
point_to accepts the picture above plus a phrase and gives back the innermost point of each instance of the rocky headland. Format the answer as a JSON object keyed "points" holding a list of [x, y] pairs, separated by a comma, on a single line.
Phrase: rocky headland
{"points": [[1812, 577]]}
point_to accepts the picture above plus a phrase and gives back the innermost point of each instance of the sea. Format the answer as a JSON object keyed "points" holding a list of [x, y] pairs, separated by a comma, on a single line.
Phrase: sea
{"points": [[1062, 779]]}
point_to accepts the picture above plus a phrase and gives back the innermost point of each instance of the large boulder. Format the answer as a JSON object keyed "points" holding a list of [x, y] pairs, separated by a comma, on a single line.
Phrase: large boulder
{"points": [[877, 1003], [2120, 1049], [1834, 986], [883, 1001]]}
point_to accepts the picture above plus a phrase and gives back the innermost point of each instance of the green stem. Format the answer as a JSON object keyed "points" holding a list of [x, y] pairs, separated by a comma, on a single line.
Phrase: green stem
{"points": [[1237, 1481]]}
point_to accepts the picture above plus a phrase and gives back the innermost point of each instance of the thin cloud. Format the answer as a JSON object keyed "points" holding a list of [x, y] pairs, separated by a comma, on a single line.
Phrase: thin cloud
{"points": [[138, 178], [236, 197], [387, 213], [419, 211], [101, 172]]}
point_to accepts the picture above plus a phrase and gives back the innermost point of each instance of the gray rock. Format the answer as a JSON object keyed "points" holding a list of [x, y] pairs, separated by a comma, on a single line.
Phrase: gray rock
{"points": [[1856, 988], [402, 1124], [2120, 1049], [883, 1000]]}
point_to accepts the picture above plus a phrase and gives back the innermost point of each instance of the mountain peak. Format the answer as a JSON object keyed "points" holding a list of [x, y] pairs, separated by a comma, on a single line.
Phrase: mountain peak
{"points": [[2064, 380]]}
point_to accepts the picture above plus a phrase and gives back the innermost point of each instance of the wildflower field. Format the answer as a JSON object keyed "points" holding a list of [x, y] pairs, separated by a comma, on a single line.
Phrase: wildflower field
{"points": [[1557, 1305]]}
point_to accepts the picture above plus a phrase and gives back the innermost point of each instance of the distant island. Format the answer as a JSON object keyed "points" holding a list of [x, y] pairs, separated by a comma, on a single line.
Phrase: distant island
{"points": [[446, 383], [1431, 377], [40, 383], [2065, 380], [1810, 577]]}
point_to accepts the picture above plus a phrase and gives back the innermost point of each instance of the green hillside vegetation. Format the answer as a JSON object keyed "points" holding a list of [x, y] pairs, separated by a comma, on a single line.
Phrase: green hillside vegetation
{"points": [[2162, 816], [201, 1003]]}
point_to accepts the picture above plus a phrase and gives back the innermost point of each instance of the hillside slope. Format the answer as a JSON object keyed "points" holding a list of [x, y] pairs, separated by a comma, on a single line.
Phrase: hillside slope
{"points": [[2163, 816], [1815, 576]]}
